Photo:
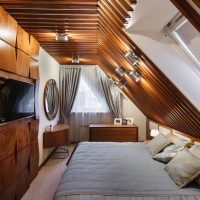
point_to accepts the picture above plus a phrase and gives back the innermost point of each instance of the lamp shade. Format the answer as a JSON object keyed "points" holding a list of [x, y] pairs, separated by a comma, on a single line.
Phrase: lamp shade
{"points": [[154, 132]]}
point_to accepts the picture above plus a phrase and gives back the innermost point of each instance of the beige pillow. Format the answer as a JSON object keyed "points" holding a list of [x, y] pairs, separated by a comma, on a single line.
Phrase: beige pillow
{"points": [[195, 150], [157, 144], [172, 137], [183, 168]]}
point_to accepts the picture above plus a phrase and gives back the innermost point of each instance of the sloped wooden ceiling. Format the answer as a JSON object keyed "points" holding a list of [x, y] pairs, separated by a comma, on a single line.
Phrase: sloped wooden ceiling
{"points": [[95, 28]]}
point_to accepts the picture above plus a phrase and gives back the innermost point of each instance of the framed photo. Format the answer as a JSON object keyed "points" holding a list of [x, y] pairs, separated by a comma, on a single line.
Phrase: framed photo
{"points": [[130, 121], [118, 121], [124, 121]]}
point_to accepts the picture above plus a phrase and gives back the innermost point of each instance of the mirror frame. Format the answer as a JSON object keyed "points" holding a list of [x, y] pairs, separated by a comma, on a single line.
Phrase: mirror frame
{"points": [[53, 115]]}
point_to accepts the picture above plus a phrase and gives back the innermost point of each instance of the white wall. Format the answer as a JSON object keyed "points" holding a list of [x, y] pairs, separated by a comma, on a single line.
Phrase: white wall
{"points": [[146, 31], [129, 110], [49, 69]]}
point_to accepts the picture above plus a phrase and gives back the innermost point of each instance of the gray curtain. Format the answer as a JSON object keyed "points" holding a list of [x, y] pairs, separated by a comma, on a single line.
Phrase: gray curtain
{"points": [[69, 81], [112, 94]]}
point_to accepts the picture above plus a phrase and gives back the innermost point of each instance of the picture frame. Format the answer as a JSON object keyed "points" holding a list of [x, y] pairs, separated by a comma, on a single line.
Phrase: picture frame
{"points": [[118, 121], [124, 121], [130, 121]]}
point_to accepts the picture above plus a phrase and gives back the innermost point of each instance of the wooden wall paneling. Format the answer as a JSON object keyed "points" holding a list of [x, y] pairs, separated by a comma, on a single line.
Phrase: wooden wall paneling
{"points": [[34, 128], [34, 159], [22, 183], [8, 139], [34, 167], [23, 135], [34, 151], [9, 194], [22, 159], [15, 77], [8, 27], [34, 48], [34, 69], [7, 173], [22, 40], [8, 59], [23, 63]]}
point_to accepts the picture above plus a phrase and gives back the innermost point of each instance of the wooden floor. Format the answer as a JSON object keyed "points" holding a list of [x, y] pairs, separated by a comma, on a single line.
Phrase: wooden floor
{"points": [[45, 184]]}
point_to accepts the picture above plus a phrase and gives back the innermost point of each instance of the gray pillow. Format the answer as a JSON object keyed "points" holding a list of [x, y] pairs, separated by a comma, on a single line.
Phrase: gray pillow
{"points": [[195, 150], [164, 157], [158, 143], [175, 146], [170, 151], [183, 168]]}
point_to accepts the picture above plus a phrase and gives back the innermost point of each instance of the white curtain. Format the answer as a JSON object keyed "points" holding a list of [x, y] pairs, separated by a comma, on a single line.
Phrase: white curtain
{"points": [[79, 123], [90, 106]]}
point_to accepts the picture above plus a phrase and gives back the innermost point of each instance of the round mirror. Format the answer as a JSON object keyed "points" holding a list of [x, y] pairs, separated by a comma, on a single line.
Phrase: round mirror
{"points": [[51, 99]]}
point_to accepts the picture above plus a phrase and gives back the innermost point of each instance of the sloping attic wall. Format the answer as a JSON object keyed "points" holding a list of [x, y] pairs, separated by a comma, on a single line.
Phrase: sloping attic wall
{"points": [[145, 29], [155, 95]]}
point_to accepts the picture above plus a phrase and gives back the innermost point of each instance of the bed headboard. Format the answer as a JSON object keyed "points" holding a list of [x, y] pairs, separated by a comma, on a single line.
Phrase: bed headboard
{"points": [[166, 130]]}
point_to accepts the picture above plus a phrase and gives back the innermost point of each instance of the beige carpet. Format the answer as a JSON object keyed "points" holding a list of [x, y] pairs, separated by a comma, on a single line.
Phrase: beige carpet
{"points": [[45, 184]]}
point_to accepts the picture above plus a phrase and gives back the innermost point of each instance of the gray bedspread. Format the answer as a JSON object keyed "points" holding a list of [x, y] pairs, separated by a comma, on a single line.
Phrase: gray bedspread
{"points": [[114, 171]]}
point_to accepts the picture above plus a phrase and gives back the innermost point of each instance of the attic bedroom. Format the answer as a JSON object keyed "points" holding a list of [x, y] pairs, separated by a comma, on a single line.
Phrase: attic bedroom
{"points": [[99, 99]]}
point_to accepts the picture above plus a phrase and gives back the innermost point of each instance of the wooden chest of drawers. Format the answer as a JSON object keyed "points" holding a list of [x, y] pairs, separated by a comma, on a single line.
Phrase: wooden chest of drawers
{"points": [[113, 133]]}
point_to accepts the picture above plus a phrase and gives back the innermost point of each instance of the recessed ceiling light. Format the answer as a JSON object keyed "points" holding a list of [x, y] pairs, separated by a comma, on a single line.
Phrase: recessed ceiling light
{"points": [[75, 60], [62, 37]]}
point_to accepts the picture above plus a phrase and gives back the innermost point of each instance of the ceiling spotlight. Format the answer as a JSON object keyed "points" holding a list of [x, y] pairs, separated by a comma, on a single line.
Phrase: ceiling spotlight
{"points": [[135, 75], [132, 58], [119, 71], [75, 60], [121, 85], [62, 37]]}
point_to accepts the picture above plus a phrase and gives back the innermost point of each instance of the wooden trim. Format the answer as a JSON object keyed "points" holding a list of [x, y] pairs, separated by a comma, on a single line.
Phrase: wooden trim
{"points": [[147, 129], [16, 77], [48, 157], [194, 139]]}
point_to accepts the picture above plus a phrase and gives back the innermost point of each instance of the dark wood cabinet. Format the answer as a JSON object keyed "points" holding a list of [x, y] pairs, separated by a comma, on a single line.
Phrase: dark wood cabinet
{"points": [[19, 157], [8, 28], [19, 154], [58, 136], [113, 133]]}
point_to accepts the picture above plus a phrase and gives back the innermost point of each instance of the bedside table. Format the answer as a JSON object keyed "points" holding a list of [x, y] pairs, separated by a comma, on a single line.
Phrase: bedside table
{"points": [[58, 136]]}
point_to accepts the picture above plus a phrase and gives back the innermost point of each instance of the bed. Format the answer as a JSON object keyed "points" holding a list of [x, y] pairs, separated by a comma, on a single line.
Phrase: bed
{"points": [[114, 171]]}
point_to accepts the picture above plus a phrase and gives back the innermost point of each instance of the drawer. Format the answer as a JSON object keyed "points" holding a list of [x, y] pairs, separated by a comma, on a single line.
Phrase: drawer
{"points": [[114, 134], [55, 139]]}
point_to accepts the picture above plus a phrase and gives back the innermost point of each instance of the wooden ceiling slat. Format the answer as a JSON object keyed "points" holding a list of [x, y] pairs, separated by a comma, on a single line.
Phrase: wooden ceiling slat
{"points": [[61, 2]]}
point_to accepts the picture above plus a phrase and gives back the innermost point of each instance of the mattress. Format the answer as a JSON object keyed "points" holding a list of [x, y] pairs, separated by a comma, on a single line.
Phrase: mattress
{"points": [[113, 171]]}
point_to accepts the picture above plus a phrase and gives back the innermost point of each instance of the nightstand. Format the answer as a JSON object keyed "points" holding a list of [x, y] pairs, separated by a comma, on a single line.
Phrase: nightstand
{"points": [[57, 137]]}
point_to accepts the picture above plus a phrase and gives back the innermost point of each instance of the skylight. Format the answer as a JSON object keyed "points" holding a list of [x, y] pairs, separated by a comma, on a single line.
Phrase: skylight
{"points": [[187, 37]]}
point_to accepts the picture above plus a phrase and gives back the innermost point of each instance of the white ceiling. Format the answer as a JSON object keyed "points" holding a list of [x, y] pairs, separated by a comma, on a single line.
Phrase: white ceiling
{"points": [[151, 15]]}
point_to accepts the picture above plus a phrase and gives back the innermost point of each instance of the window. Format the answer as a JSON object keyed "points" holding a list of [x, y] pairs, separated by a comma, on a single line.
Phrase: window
{"points": [[186, 36], [90, 97]]}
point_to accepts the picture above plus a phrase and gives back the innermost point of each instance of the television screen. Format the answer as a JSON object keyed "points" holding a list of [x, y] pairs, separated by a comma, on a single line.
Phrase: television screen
{"points": [[16, 100]]}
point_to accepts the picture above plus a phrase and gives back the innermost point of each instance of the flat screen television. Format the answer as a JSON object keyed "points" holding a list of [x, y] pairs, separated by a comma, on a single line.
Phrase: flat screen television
{"points": [[16, 100]]}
